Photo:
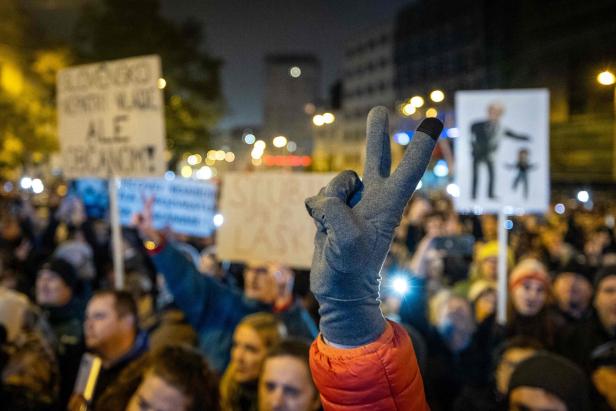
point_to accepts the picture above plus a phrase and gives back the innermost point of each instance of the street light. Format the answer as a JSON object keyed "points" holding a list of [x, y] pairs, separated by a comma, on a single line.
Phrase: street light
{"points": [[328, 118], [408, 109], [318, 120], [279, 141], [437, 96], [417, 101], [606, 78], [431, 112]]}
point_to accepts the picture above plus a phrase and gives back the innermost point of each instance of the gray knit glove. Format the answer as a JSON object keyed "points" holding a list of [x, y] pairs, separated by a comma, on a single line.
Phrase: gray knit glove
{"points": [[355, 226]]}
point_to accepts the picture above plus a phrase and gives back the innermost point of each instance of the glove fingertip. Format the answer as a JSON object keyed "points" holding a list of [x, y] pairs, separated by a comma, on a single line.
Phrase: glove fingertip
{"points": [[431, 126]]}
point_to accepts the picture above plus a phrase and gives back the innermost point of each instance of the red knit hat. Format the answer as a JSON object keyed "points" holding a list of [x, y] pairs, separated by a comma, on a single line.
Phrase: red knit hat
{"points": [[528, 268]]}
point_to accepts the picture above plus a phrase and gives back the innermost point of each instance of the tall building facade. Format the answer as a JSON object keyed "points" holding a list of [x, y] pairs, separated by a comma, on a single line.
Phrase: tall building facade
{"points": [[291, 89]]}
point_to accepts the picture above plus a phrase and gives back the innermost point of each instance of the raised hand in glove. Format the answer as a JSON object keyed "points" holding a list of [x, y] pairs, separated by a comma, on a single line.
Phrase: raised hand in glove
{"points": [[355, 226]]}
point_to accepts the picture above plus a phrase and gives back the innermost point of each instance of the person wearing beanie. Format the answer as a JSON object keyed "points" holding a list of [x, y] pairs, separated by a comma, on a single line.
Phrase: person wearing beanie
{"points": [[482, 296], [548, 382], [55, 294], [572, 285], [529, 288]]}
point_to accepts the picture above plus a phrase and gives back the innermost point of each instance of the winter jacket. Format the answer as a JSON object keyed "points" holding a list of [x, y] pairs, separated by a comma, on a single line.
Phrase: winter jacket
{"points": [[382, 375], [213, 309]]}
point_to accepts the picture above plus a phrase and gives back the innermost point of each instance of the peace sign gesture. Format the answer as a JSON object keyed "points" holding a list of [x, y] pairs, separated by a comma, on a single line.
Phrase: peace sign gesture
{"points": [[355, 226]]}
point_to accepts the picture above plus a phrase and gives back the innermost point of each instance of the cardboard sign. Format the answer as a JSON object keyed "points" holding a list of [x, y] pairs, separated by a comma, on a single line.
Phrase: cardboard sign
{"points": [[110, 119], [186, 206], [502, 152], [265, 218]]}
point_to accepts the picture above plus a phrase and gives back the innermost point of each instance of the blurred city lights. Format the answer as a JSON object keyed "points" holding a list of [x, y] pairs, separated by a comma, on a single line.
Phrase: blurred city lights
{"points": [[453, 132], [218, 220], [402, 138], [583, 196], [291, 146], [220, 155], [508, 224], [257, 161], [37, 186], [437, 96], [204, 173], [162, 83], [417, 101], [279, 141], [559, 208], [328, 118], [194, 159], [408, 109], [186, 171], [419, 185], [295, 72], [606, 78], [318, 120], [400, 285], [431, 112], [25, 183], [169, 175], [256, 153], [8, 187], [210, 161], [260, 145], [441, 169], [211, 155], [230, 157], [453, 190], [249, 138]]}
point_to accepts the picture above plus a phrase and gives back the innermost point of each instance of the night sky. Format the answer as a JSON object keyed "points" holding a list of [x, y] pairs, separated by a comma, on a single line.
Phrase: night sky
{"points": [[241, 33]]}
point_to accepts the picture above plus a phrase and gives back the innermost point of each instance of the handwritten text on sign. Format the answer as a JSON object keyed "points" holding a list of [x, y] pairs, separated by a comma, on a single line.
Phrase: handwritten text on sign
{"points": [[186, 206], [265, 218], [110, 119]]}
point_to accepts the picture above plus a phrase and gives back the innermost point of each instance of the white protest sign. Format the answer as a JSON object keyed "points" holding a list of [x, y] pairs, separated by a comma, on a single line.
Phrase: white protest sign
{"points": [[265, 218], [502, 152], [186, 206], [110, 119]]}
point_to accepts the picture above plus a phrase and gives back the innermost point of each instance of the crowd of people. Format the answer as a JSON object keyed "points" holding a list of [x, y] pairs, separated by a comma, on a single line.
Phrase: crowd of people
{"points": [[189, 332]]}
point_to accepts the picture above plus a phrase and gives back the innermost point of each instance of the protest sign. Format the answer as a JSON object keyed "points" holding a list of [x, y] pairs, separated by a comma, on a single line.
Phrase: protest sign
{"points": [[265, 218], [185, 206], [110, 119]]}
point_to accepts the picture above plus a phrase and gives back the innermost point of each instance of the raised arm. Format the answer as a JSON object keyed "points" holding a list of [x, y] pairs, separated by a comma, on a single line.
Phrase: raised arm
{"points": [[358, 351]]}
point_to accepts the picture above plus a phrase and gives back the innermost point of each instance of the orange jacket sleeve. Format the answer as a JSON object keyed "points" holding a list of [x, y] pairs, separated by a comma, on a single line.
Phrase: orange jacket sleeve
{"points": [[379, 376]]}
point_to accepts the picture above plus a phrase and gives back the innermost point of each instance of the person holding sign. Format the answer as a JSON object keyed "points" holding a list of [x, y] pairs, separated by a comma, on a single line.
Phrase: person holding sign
{"points": [[361, 360]]}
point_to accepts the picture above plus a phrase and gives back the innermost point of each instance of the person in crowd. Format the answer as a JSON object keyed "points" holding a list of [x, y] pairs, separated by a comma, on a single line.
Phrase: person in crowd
{"points": [[573, 291], [111, 331], [285, 383], [253, 337], [361, 360], [547, 382], [482, 296], [55, 284], [529, 289], [174, 378], [213, 309]]}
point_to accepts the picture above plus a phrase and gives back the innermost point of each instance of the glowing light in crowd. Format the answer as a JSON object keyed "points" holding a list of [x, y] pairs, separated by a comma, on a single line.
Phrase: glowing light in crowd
{"points": [[279, 141], [419, 185], [583, 196], [453, 190], [453, 132], [249, 138], [211, 155], [441, 169], [408, 109], [318, 120], [220, 155], [194, 159], [230, 157], [328, 118], [559, 208], [417, 101], [37, 186], [186, 171], [218, 220], [508, 224], [25, 183], [256, 154], [295, 72], [437, 96], [169, 175], [260, 145], [210, 161], [204, 173], [606, 78], [162, 83], [431, 112], [257, 161], [291, 146], [287, 161], [402, 138], [400, 285]]}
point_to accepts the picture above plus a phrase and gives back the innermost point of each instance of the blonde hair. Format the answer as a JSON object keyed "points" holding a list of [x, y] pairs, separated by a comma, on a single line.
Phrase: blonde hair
{"points": [[270, 332]]}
